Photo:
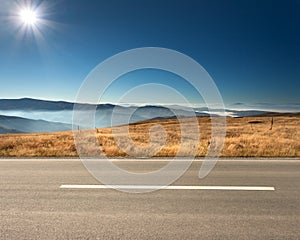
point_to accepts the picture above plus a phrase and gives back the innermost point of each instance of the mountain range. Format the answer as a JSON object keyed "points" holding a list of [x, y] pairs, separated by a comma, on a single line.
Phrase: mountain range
{"points": [[9, 124], [28, 115]]}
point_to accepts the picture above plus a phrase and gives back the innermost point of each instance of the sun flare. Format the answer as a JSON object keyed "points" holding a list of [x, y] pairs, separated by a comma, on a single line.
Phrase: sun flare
{"points": [[28, 16], [32, 19]]}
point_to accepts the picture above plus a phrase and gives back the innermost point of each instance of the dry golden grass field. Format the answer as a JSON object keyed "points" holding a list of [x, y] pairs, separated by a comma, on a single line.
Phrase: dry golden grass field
{"points": [[245, 137]]}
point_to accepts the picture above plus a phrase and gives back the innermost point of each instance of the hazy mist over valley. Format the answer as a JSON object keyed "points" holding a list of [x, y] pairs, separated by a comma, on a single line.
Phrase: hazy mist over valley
{"points": [[33, 115]]}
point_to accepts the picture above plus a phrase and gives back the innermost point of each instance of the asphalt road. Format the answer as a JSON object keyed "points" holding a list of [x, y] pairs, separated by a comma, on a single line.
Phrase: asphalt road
{"points": [[33, 206]]}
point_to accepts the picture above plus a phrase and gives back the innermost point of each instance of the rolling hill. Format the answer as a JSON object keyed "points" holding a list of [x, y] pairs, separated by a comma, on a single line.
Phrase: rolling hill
{"points": [[243, 139], [23, 125]]}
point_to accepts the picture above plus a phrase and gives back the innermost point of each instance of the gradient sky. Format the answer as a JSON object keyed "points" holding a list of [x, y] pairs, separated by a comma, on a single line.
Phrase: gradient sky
{"points": [[250, 48]]}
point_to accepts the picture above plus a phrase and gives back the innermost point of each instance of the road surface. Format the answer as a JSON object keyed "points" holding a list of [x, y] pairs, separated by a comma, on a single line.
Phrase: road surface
{"points": [[34, 206]]}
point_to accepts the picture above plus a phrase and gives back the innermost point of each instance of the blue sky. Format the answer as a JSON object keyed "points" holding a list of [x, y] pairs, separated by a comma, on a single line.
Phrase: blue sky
{"points": [[250, 48]]}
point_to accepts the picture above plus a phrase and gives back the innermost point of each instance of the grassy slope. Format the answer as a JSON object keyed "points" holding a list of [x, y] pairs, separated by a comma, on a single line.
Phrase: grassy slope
{"points": [[243, 139]]}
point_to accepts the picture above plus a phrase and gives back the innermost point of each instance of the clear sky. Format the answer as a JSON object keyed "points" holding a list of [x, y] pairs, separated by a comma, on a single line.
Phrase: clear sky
{"points": [[250, 48]]}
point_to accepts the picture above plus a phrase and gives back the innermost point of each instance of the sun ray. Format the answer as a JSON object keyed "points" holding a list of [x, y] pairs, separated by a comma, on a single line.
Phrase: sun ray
{"points": [[32, 24], [32, 21]]}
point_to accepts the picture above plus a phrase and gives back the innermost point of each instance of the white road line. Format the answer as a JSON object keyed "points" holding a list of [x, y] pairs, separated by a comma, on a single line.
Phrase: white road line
{"points": [[231, 188]]}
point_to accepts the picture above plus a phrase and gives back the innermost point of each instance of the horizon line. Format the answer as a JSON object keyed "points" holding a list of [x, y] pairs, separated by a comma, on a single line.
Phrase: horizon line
{"points": [[227, 106]]}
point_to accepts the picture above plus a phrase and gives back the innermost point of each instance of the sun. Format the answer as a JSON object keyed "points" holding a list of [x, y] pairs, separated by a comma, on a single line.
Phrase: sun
{"points": [[32, 19], [28, 16]]}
